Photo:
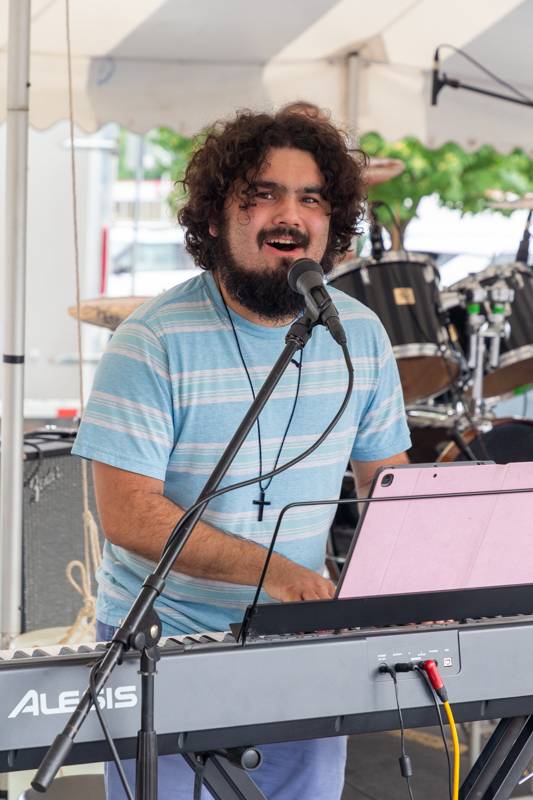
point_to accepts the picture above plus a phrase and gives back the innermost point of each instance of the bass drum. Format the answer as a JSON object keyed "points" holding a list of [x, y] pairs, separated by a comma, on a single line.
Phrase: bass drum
{"points": [[402, 289], [502, 440], [507, 440], [515, 367]]}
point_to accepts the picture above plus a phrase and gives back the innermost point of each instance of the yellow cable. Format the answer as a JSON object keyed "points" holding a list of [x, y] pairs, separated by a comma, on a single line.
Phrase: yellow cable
{"points": [[456, 753]]}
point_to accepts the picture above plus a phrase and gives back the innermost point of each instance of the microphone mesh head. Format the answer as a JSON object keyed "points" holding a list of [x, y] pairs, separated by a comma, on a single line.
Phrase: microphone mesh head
{"points": [[300, 266]]}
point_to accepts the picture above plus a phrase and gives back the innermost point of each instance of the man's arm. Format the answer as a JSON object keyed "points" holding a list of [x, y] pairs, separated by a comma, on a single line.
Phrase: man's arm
{"points": [[364, 471], [135, 515]]}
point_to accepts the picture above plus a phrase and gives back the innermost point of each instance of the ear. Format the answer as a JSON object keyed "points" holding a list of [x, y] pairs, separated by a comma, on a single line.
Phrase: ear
{"points": [[213, 230]]}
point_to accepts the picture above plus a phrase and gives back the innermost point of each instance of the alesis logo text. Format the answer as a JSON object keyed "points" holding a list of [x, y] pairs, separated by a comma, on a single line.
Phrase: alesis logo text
{"points": [[37, 703]]}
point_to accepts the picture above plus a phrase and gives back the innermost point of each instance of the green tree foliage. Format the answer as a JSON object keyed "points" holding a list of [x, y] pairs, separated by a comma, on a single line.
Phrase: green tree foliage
{"points": [[171, 153], [181, 148], [459, 179]]}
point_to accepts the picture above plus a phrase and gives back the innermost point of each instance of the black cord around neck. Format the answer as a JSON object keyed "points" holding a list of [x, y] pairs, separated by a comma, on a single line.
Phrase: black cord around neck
{"points": [[264, 488]]}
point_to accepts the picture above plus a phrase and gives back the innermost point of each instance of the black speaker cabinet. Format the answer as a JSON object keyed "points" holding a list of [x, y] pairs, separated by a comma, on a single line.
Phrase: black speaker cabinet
{"points": [[52, 528]]}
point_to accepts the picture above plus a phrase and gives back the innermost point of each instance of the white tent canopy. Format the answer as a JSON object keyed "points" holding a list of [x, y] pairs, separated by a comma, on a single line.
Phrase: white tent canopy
{"points": [[183, 63]]}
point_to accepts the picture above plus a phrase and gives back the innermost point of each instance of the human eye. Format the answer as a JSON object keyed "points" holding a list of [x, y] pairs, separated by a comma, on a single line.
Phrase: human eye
{"points": [[312, 200]]}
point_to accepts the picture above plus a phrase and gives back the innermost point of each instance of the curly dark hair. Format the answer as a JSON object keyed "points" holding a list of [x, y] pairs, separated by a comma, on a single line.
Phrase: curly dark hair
{"points": [[235, 150]]}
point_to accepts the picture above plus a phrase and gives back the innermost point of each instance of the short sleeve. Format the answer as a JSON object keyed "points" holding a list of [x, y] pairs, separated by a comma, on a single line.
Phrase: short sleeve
{"points": [[383, 429], [128, 421]]}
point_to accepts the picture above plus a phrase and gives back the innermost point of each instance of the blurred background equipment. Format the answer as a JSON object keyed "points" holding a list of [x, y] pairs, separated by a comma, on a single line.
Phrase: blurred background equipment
{"points": [[402, 288], [380, 170], [52, 529], [107, 312], [502, 298]]}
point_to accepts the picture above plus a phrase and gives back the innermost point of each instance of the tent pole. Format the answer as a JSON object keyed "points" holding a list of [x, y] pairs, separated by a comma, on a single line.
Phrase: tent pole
{"points": [[352, 92], [12, 472]]}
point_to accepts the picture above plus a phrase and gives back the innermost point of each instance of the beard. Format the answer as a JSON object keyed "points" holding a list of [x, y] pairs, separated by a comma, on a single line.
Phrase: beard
{"points": [[265, 292]]}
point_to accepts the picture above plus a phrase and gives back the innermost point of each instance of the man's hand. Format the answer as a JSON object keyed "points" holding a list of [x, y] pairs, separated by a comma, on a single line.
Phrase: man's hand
{"points": [[287, 581], [136, 515]]}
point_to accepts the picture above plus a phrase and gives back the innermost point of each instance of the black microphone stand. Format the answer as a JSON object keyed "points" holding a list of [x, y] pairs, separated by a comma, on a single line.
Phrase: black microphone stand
{"points": [[440, 81], [141, 628]]}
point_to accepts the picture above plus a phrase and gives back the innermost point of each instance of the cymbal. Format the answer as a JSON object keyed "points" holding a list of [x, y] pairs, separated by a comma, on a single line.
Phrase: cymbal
{"points": [[381, 170], [521, 202], [107, 312]]}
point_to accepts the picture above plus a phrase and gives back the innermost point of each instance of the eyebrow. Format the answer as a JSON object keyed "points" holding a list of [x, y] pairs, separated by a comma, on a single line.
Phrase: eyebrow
{"points": [[317, 189]]}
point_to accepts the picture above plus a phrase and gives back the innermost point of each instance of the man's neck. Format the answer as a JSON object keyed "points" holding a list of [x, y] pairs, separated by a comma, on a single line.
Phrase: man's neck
{"points": [[244, 312]]}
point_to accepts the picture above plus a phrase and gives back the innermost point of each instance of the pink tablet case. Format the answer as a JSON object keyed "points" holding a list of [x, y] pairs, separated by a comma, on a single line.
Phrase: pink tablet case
{"points": [[445, 543]]}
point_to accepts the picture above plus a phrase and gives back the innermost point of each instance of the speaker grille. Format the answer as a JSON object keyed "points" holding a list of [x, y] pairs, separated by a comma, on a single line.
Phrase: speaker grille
{"points": [[52, 530]]}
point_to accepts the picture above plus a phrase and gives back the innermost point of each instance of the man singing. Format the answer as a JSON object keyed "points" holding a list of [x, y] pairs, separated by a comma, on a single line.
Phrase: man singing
{"points": [[262, 191]]}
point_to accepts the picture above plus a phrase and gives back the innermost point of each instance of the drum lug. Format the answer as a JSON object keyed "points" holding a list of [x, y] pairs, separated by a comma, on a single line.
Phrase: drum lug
{"points": [[429, 273], [365, 277]]}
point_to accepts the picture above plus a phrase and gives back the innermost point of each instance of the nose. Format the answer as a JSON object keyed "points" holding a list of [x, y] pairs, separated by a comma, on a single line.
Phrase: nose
{"points": [[288, 211]]}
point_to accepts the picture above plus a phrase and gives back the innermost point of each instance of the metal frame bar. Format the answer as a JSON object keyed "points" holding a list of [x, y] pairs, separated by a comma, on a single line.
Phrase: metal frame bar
{"points": [[500, 765], [226, 781], [14, 319]]}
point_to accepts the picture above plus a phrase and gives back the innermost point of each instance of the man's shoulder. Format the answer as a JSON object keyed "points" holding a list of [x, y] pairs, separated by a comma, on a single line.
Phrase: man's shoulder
{"points": [[186, 301]]}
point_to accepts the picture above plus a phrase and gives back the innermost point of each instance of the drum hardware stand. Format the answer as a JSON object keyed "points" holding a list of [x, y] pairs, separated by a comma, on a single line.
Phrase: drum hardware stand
{"points": [[492, 326]]}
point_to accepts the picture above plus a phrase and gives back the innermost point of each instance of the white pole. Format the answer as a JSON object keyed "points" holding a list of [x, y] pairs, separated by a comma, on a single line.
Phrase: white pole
{"points": [[352, 91], [12, 473]]}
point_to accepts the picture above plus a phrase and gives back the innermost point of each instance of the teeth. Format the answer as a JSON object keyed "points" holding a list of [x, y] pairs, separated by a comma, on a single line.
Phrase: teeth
{"points": [[281, 241]]}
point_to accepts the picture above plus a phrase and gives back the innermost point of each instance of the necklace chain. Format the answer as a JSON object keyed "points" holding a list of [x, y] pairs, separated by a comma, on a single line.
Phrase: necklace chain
{"points": [[263, 489]]}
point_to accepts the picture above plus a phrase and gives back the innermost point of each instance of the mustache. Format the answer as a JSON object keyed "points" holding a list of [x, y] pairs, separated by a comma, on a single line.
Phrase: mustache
{"points": [[299, 238]]}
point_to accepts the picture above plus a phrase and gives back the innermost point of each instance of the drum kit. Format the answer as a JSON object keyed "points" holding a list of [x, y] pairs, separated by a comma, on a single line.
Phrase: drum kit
{"points": [[459, 351]]}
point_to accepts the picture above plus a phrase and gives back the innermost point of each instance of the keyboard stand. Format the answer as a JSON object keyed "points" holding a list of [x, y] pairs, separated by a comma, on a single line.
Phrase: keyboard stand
{"points": [[502, 761], [224, 780]]}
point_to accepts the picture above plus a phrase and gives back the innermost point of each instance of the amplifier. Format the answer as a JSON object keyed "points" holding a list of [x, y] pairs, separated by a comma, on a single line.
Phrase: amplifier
{"points": [[52, 528]]}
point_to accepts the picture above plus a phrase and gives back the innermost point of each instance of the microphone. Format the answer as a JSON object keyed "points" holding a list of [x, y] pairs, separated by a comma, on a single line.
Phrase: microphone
{"points": [[376, 234], [307, 278], [436, 83]]}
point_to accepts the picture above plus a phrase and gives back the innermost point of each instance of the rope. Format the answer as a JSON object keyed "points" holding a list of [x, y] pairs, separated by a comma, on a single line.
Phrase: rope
{"points": [[91, 546]]}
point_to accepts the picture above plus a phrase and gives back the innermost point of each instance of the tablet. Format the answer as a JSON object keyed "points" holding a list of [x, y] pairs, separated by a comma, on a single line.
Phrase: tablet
{"points": [[442, 542]]}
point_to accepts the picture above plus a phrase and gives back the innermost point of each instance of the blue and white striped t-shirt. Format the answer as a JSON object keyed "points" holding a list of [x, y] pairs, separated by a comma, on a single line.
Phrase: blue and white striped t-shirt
{"points": [[170, 392]]}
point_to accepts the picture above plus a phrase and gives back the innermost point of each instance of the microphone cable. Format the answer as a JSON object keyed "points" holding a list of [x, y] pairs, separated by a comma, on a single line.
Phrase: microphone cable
{"points": [[484, 69], [406, 768], [189, 512], [250, 481], [107, 733]]}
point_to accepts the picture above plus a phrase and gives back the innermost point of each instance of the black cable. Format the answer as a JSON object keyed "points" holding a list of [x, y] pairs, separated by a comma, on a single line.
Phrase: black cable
{"points": [[434, 695], [405, 762], [107, 734], [484, 69], [203, 502], [27, 481], [248, 615], [243, 361]]}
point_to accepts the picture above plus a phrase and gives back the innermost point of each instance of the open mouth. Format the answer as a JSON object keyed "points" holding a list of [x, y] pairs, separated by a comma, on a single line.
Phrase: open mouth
{"points": [[283, 245]]}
